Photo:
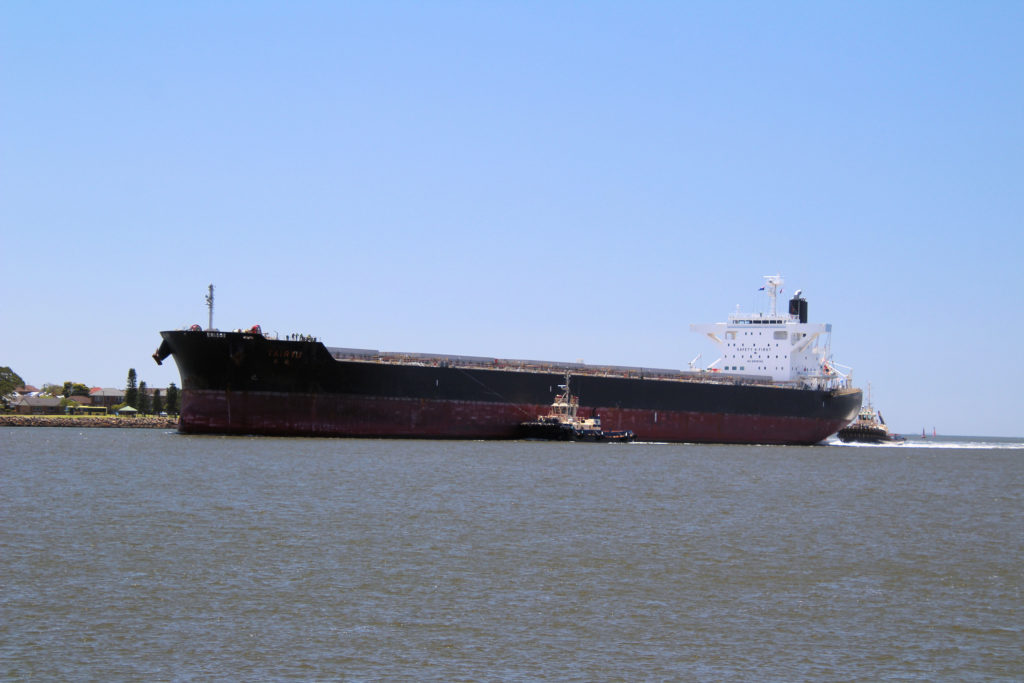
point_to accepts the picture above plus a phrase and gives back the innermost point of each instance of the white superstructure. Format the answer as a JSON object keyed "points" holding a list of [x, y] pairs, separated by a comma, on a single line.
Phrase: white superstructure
{"points": [[781, 346]]}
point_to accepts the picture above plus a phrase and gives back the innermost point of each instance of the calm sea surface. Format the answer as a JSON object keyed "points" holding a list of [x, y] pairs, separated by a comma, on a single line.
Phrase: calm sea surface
{"points": [[148, 555]]}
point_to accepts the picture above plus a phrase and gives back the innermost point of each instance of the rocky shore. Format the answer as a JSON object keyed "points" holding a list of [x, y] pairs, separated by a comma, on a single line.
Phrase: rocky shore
{"points": [[87, 421]]}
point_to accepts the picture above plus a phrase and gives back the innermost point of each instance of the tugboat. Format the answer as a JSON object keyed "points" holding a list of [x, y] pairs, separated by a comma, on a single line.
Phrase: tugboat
{"points": [[561, 423], [869, 427]]}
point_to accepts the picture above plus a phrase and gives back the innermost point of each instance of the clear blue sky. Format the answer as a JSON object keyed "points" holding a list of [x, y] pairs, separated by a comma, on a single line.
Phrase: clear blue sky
{"points": [[551, 180]]}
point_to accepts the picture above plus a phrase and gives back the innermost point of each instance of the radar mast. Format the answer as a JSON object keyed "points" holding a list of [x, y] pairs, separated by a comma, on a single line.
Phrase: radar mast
{"points": [[209, 305], [773, 283]]}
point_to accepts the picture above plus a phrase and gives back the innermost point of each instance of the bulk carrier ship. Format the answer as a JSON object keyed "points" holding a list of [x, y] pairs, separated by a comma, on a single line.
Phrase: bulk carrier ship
{"points": [[773, 384]]}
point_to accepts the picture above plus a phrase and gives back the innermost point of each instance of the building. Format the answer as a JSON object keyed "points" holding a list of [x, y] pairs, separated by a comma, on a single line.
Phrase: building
{"points": [[37, 405], [106, 397]]}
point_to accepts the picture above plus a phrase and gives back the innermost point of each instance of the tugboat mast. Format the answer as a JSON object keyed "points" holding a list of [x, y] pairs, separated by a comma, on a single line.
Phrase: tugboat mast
{"points": [[209, 305]]}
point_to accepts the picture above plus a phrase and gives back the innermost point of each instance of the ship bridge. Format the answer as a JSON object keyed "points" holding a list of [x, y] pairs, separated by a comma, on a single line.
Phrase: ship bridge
{"points": [[783, 346]]}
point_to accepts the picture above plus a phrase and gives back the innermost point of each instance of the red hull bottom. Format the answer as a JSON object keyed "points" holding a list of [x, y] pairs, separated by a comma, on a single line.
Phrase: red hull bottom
{"points": [[272, 414]]}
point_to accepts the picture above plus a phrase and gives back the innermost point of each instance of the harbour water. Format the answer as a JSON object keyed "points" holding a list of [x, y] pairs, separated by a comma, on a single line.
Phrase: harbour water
{"points": [[149, 555]]}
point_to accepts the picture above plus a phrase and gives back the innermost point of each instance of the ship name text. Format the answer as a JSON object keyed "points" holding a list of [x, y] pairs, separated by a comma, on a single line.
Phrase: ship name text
{"points": [[283, 353]]}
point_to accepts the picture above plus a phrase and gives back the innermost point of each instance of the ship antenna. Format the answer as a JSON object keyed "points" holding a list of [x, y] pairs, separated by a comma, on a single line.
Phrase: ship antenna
{"points": [[209, 305]]}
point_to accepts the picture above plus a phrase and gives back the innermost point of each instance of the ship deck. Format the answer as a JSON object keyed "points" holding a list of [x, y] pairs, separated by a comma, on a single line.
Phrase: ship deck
{"points": [[373, 356]]}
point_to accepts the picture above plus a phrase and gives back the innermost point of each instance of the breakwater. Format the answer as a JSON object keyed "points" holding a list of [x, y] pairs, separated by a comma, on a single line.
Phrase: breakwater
{"points": [[89, 421]]}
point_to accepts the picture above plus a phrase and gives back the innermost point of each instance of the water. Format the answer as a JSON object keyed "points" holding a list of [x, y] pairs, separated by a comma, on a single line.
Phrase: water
{"points": [[148, 555]]}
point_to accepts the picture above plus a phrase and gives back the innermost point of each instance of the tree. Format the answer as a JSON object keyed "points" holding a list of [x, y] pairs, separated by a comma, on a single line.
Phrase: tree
{"points": [[143, 406], [172, 399], [158, 402], [131, 390], [74, 389], [9, 381]]}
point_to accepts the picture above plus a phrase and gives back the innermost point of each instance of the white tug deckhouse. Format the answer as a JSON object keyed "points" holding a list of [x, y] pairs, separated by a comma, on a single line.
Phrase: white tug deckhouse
{"points": [[784, 348]]}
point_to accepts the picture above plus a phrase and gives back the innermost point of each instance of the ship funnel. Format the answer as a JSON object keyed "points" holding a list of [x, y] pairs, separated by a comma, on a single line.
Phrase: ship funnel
{"points": [[798, 307]]}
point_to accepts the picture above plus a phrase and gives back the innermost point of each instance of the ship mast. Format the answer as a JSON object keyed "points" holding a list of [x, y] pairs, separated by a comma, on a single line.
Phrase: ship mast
{"points": [[772, 283], [209, 305]]}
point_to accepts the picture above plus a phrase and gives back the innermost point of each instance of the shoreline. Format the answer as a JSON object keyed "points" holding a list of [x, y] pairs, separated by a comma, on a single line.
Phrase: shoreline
{"points": [[89, 421]]}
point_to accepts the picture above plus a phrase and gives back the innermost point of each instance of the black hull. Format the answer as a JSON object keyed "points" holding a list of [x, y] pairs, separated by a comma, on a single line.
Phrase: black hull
{"points": [[553, 431], [861, 435], [243, 383], [542, 431]]}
